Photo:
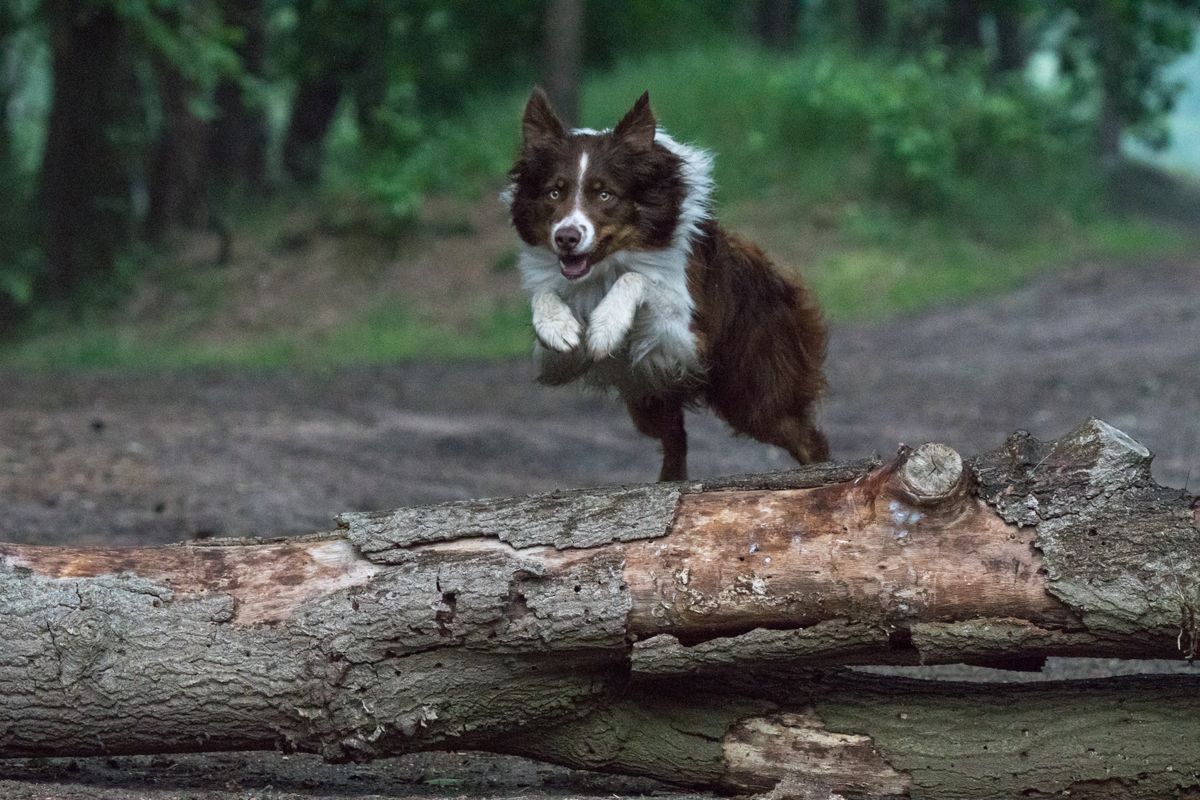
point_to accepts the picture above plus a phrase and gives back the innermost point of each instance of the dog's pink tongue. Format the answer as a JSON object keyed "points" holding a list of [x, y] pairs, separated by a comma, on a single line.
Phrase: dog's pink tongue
{"points": [[573, 266]]}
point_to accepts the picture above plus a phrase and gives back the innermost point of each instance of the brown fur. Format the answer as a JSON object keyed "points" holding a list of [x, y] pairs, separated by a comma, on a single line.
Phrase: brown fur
{"points": [[762, 341], [643, 179]]}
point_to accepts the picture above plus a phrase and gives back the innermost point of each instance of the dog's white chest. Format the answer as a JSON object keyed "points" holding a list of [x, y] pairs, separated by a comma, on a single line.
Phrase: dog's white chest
{"points": [[659, 350]]}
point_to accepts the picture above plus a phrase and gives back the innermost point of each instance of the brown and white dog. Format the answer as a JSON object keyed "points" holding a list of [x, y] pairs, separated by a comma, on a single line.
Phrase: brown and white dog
{"points": [[636, 287]]}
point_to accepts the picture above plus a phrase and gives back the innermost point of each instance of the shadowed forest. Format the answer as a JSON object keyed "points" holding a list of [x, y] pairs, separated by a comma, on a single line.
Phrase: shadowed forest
{"points": [[270, 182]]}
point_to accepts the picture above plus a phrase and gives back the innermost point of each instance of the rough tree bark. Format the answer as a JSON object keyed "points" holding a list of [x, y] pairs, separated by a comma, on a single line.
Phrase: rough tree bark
{"points": [[659, 630]]}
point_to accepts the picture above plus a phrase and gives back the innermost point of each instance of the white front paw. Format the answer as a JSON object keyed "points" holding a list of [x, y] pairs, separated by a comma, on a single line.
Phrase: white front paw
{"points": [[606, 332], [558, 330]]}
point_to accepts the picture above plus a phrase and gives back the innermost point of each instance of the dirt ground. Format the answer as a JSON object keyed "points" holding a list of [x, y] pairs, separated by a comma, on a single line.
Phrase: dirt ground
{"points": [[159, 457]]}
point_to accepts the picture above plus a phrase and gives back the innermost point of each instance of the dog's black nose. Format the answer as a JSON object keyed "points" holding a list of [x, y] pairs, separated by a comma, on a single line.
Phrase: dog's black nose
{"points": [[567, 238]]}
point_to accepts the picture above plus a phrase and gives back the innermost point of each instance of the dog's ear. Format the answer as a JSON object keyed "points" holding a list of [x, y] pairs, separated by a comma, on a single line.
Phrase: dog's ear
{"points": [[636, 128], [540, 123]]}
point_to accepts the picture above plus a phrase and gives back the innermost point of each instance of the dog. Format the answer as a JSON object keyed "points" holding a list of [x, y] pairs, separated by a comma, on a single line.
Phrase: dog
{"points": [[635, 287]]}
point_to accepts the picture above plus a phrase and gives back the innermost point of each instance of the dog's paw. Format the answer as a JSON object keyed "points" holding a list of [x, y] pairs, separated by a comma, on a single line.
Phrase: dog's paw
{"points": [[612, 320], [558, 330], [606, 333]]}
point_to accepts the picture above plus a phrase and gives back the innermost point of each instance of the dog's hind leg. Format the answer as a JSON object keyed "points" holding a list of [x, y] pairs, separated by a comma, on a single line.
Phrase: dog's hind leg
{"points": [[662, 418], [800, 437], [784, 421]]}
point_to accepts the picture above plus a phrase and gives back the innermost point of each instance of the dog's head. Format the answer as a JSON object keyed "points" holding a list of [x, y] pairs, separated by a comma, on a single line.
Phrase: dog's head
{"points": [[584, 195]]}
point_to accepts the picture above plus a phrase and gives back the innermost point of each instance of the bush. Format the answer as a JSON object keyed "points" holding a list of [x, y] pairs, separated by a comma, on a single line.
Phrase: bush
{"points": [[461, 155], [922, 135], [933, 137]]}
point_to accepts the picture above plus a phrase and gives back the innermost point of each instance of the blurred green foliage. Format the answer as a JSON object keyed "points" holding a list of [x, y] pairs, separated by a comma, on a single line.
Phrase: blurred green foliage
{"points": [[925, 134], [882, 117], [384, 334], [1113, 55], [19, 255]]}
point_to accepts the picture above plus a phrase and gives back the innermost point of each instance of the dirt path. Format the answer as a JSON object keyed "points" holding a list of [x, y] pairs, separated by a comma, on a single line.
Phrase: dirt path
{"points": [[123, 458], [161, 457]]}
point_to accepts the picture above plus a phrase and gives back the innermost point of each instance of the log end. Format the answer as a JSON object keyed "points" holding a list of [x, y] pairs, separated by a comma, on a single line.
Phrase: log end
{"points": [[932, 473]]}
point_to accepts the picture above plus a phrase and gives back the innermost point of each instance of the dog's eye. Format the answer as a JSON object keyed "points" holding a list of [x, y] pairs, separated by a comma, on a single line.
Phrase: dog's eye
{"points": [[605, 196], [555, 194]]}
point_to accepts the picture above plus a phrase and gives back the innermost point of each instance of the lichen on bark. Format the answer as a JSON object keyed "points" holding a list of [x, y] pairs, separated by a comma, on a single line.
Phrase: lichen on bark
{"points": [[1118, 572], [564, 519]]}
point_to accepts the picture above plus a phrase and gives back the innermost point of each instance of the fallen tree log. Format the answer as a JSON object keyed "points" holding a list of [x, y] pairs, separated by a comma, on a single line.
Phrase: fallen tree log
{"points": [[869, 736], [474, 625]]}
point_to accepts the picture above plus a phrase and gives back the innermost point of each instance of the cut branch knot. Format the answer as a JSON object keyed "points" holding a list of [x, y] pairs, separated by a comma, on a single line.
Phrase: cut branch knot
{"points": [[932, 473]]}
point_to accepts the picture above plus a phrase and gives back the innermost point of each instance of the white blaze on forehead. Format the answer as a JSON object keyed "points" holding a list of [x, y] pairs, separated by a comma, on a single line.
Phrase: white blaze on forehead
{"points": [[577, 217]]}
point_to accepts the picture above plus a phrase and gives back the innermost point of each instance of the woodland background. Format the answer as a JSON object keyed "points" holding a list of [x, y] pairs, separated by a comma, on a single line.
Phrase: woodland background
{"points": [[261, 182], [254, 271]]}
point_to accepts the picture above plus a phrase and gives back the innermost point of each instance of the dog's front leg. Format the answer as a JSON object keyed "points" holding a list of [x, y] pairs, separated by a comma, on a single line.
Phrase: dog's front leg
{"points": [[613, 317], [554, 323]]}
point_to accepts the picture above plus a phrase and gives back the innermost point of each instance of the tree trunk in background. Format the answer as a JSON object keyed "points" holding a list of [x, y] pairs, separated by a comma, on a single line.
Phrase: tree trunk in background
{"points": [[85, 204], [12, 205], [1010, 43], [871, 19], [178, 174], [564, 57], [961, 25], [238, 134], [7, 27], [7, 166], [659, 630], [1112, 54], [313, 111], [1109, 129], [775, 23]]}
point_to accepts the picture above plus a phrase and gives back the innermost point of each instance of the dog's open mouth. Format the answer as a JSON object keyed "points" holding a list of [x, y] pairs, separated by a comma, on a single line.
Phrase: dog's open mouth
{"points": [[574, 266]]}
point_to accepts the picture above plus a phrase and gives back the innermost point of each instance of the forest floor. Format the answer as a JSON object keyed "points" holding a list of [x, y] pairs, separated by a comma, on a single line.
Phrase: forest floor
{"points": [[139, 456]]}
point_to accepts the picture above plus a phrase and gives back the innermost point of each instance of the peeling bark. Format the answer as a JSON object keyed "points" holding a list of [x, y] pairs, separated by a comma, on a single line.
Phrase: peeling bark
{"points": [[655, 630]]}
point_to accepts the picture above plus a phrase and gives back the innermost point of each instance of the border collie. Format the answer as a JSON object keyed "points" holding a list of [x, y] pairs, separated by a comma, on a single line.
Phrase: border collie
{"points": [[635, 287]]}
